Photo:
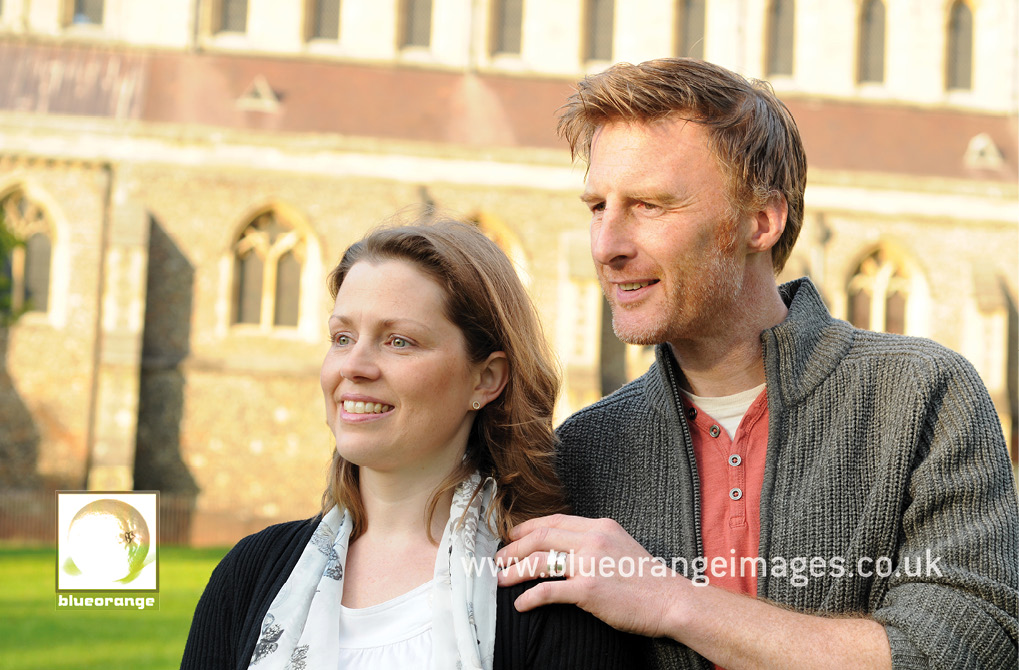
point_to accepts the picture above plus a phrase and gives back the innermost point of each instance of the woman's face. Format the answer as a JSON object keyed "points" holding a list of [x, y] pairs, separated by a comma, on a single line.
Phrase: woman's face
{"points": [[397, 382]]}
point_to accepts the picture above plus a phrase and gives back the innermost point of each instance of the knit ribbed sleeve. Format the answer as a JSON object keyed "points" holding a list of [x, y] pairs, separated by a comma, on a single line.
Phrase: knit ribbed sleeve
{"points": [[952, 599]]}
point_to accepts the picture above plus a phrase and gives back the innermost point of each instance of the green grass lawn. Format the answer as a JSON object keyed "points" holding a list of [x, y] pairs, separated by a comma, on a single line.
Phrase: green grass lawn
{"points": [[35, 636]]}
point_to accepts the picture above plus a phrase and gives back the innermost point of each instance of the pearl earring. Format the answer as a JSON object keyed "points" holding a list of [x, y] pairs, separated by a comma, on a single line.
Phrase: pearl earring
{"points": [[476, 405]]}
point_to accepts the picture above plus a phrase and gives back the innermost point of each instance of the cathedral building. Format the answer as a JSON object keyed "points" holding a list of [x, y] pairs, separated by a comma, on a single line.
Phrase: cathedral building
{"points": [[185, 173]]}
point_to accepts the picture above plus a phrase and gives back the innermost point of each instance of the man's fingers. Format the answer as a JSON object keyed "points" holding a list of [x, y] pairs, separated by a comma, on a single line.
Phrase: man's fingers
{"points": [[534, 566], [541, 539], [544, 593], [564, 521]]}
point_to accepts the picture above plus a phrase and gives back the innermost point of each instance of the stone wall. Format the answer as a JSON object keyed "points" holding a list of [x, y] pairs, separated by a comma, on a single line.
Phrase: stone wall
{"points": [[49, 362]]}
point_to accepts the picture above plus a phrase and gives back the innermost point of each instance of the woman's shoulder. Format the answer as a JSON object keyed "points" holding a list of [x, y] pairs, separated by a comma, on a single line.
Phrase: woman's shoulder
{"points": [[228, 615], [269, 549], [279, 536], [555, 636]]}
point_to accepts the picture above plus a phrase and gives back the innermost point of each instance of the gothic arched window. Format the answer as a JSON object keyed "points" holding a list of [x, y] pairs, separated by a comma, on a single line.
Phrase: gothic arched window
{"points": [[415, 23], [507, 26], [690, 19], [324, 19], [268, 258], [959, 56], [27, 269], [879, 293], [871, 45], [232, 16], [87, 11], [780, 37], [599, 29]]}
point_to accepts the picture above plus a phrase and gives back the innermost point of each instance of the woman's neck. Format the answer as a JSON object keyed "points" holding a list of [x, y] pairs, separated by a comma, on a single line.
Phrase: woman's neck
{"points": [[396, 505], [395, 553]]}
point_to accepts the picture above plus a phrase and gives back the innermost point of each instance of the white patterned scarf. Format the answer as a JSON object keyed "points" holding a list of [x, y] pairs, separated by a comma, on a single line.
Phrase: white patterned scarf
{"points": [[301, 628]]}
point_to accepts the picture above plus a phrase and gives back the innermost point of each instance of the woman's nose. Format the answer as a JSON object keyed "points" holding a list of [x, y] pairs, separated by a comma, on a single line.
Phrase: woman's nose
{"points": [[359, 362]]}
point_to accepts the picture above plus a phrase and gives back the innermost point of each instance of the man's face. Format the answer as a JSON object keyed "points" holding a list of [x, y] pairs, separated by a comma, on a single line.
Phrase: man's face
{"points": [[669, 258]]}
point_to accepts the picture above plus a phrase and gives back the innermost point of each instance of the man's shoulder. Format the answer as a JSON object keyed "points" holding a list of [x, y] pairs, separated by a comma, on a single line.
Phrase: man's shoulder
{"points": [[629, 400], [889, 352], [896, 374]]}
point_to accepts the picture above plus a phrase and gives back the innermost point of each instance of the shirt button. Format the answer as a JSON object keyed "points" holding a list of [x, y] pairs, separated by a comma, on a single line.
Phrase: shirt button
{"points": [[714, 431], [691, 413], [735, 460], [735, 494]]}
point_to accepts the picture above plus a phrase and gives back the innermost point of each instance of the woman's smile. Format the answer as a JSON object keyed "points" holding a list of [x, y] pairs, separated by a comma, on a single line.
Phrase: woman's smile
{"points": [[359, 410]]}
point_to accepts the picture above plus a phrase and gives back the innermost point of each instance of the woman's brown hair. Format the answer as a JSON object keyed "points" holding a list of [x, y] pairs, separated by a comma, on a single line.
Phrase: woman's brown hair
{"points": [[512, 439]]}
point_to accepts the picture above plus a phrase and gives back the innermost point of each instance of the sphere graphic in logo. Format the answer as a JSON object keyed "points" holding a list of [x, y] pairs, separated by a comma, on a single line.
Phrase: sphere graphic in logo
{"points": [[108, 540]]}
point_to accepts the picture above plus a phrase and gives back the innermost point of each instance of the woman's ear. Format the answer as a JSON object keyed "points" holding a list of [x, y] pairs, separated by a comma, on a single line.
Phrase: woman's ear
{"points": [[491, 377]]}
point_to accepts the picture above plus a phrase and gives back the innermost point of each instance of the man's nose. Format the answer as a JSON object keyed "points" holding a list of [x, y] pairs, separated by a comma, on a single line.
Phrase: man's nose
{"points": [[611, 236]]}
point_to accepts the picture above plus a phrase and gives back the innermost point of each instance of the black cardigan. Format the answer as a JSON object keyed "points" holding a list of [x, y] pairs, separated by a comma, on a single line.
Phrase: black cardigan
{"points": [[229, 615]]}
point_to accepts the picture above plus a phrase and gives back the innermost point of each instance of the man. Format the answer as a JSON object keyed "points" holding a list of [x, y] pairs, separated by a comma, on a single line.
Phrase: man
{"points": [[816, 495]]}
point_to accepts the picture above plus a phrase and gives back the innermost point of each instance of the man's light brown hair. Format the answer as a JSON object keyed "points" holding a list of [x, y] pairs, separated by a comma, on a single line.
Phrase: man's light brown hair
{"points": [[751, 132]]}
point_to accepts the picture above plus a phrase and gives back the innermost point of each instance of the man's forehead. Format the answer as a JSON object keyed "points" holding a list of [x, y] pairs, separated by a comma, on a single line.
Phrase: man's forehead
{"points": [[659, 160], [626, 135], [676, 121], [633, 134]]}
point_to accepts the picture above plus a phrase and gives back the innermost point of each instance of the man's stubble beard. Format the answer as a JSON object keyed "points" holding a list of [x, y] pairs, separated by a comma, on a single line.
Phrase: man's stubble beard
{"points": [[692, 312]]}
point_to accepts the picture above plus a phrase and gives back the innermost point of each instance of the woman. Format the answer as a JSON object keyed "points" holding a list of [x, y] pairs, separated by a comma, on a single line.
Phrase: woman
{"points": [[439, 388]]}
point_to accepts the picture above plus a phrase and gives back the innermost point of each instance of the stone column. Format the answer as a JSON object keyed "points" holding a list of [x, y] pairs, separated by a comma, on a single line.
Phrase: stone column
{"points": [[120, 341], [578, 323]]}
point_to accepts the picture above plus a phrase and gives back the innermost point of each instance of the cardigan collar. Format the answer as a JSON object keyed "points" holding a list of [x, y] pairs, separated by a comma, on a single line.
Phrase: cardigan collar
{"points": [[799, 353]]}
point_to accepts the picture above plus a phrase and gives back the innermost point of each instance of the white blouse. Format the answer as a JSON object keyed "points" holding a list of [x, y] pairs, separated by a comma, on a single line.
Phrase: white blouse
{"points": [[393, 634]]}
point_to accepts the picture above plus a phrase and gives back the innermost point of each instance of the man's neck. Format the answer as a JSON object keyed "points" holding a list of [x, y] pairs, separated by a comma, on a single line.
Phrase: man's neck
{"points": [[729, 361]]}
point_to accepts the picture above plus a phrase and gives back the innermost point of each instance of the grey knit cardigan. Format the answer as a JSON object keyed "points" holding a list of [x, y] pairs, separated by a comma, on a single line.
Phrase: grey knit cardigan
{"points": [[880, 447]]}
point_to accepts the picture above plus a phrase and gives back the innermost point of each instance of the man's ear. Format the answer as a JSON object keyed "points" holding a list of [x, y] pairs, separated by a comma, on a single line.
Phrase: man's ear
{"points": [[491, 377], [768, 224]]}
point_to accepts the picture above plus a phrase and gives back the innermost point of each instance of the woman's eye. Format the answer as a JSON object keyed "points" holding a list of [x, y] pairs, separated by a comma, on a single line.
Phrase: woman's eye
{"points": [[341, 339], [399, 342]]}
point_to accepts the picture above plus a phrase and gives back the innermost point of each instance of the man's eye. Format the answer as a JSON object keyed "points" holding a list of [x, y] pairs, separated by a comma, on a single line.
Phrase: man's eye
{"points": [[341, 339], [399, 342]]}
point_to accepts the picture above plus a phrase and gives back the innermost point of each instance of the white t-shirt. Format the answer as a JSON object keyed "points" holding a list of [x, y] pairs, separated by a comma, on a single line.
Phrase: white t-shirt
{"points": [[393, 634], [727, 410]]}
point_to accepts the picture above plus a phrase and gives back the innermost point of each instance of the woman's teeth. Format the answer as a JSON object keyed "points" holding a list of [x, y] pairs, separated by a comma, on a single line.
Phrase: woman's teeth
{"points": [[358, 407]]}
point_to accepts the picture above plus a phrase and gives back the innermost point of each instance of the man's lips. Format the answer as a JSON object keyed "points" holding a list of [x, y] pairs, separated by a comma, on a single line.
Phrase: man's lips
{"points": [[634, 286], [630, 291]]}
